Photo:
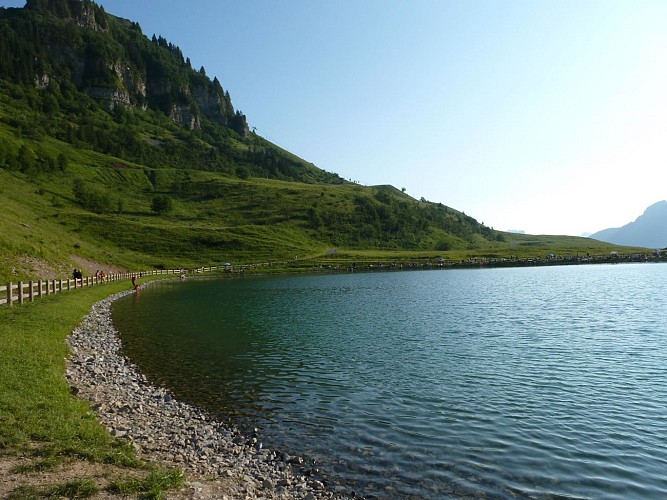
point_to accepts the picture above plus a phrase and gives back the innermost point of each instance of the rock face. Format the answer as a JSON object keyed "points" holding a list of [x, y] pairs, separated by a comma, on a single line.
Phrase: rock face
{"points": [[163, 429], [185, 116], [110, 60], [109, 98]]}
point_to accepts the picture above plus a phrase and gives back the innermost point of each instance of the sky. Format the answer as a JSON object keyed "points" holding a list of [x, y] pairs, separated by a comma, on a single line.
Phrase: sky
{"points": [[543, 116]]}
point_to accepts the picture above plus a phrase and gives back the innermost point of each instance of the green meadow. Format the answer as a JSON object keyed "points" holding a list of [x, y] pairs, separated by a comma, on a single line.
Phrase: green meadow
{"points": [[45, 426]]}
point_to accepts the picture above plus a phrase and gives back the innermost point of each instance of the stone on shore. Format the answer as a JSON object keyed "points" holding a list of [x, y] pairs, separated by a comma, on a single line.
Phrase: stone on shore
{"points": [[163, 429]]}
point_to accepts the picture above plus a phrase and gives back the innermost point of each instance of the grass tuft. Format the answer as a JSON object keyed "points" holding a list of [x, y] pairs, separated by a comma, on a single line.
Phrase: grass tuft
{"points": [[77, 488], [152, 486]]}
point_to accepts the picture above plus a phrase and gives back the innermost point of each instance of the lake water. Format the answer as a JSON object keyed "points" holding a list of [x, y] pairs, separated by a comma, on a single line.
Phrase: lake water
{"points": [[544, 382]]}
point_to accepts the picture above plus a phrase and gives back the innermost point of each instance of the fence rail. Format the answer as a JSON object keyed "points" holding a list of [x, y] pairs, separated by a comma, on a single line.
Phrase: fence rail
{"points": [[28, 291]]}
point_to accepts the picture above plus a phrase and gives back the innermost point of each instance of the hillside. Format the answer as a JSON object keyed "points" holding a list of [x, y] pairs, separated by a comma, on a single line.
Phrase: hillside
{"points": [[95, 81], [648, 230], [115, 151]]}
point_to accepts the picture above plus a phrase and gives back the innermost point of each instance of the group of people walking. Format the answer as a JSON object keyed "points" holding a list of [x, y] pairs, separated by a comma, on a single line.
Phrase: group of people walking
{"points": [[101, 277]]}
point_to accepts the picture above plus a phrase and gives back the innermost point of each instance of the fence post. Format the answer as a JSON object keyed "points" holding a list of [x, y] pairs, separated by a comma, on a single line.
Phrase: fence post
{"points": [[20, 292], [31, 296], [39, 289], [9, 293]]}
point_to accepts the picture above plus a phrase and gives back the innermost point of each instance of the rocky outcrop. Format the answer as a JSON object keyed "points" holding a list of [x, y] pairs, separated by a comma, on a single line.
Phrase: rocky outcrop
{"points": [[110, 60], [42, 81], [212, 104], [109, 98], [86, 18], [184, 116]]}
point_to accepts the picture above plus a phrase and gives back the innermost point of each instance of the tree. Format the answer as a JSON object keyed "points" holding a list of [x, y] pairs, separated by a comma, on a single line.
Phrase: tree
{"points": [[242, 172], [26, 158], [162, 204], [62, 162], [91, 198]]}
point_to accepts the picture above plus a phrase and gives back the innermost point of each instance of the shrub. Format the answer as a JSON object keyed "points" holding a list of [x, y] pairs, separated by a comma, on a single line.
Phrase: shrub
{"points": [[162, 204]]}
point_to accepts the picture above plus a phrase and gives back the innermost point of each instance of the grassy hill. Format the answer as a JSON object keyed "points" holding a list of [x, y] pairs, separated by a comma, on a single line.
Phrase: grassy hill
{"points": [[64, 203], [115, 152], [45, 231]]}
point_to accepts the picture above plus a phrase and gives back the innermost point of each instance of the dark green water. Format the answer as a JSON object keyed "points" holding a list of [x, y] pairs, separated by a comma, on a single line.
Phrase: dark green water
{"points": [[510, 383]]}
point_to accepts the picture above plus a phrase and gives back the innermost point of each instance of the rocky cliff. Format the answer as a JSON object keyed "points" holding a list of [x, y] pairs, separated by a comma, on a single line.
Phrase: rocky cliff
{"points": [[111, 61]]}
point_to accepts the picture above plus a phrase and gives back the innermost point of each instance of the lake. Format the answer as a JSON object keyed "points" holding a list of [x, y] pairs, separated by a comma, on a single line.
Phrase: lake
{"points": [[543, 382]]}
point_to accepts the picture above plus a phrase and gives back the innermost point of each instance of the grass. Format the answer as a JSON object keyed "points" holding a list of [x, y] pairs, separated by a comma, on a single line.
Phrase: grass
{"points": [[77, 488], [225, 220], [40, 419], [220, 218], [82, 488], [151, 486], [32, 383]]}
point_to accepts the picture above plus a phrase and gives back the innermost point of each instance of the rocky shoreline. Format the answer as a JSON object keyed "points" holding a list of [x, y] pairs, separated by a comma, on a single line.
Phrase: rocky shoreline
{"points": [[165, 430]]}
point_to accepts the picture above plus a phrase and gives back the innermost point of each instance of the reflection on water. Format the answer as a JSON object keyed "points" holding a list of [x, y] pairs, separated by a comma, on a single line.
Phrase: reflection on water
{"points": [[508, 383]]}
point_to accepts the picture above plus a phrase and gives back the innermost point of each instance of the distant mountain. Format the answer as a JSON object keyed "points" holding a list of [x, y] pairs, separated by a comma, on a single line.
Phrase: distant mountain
{"points": [[649, 230]]}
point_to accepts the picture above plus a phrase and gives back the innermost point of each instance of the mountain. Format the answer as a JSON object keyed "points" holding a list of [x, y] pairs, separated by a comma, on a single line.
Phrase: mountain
{"points": [[114, 150], [94, 80], [649, 230]]}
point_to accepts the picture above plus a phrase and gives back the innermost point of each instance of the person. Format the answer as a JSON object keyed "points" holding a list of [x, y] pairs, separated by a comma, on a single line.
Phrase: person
{"points": [[134, 282]]}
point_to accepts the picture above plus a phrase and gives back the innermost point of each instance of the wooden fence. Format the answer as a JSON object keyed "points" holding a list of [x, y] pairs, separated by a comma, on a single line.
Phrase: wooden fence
{"points": [[28, 291], [13, 293]]}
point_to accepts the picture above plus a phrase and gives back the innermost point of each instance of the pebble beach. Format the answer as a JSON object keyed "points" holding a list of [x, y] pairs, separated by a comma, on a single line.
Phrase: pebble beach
{"points": [[213, 455]]}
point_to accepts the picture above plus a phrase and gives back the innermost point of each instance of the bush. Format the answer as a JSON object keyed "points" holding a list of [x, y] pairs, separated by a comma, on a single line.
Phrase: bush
{"points": [[162, 204], [242, 172], [92, 198]]}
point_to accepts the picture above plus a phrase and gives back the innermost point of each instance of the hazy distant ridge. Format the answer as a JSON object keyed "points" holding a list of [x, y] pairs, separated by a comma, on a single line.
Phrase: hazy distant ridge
{"points": [[648, 230]]}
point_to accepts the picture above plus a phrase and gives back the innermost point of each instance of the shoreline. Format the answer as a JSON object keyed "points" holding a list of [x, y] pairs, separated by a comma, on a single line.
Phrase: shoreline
{"points": [[215, 457]]}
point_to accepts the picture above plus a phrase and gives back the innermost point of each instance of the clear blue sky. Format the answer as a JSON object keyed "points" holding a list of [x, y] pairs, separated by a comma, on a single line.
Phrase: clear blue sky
{"points": [[545, 116]]}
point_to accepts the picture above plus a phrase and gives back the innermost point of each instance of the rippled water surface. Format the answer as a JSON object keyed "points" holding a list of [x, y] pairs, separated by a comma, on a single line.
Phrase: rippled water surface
{"points": [[509, 383]]}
